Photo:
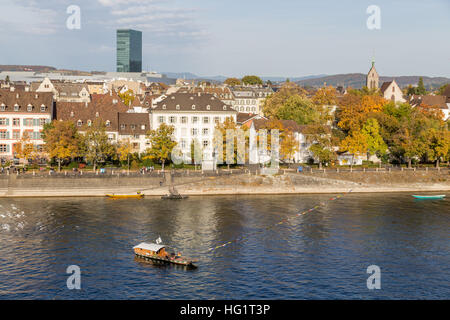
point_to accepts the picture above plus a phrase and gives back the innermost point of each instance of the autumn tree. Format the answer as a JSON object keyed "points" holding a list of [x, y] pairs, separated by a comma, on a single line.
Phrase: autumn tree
{"points": [[252, 80], [25, 149], [231, 140], [127, 97], [61, 140], [94, 143], [437, 144], [375, 142], [196, 152], [232, 82], [124, 150], [162, 143], [325, 96], [354, 110], [355, 144]]}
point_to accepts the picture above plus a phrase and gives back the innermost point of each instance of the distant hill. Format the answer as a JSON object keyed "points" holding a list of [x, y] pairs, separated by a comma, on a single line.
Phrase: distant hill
{"points": [[358, 80], [192, 76], [26, 68]]}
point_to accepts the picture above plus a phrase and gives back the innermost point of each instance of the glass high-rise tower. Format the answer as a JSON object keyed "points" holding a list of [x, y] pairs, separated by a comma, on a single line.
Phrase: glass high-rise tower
{"points": [[129, 50]]}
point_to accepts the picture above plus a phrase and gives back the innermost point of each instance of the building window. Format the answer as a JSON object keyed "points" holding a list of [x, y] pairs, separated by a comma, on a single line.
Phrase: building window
{"points": [[4, 121], [194, 131], [216, 119], [42, 122], [205, 120], [133, 126], [172, 119], [42, 108], [4, 148], [205, 143], [161, 119], [183, 144], [4, 135], [184, 119], [194, 119], [122, 126], [16, 107], [205, 131], [16, 134]]}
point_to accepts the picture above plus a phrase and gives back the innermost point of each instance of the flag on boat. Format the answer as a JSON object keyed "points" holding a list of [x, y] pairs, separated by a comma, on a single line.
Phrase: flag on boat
{"points": [[158, 241]]}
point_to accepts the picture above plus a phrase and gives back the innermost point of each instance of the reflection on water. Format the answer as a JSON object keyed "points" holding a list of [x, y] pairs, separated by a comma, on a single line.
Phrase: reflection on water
{"points": [[322, 255]]}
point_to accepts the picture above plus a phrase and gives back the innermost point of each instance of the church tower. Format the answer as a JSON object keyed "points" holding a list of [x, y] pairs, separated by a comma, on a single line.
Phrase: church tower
{"points": [[372, 78]]}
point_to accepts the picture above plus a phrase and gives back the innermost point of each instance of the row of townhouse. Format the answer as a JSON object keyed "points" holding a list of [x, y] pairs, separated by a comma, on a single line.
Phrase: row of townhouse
{"points": [[20, 112], [193, 115]]}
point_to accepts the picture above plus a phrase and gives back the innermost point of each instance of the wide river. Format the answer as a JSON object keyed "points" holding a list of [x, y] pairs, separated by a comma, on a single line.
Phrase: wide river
{"points": [[321, 255]]}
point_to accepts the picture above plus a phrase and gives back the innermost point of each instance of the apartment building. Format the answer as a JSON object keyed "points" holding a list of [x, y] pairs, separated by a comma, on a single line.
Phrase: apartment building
{"points": [[23, 111]]}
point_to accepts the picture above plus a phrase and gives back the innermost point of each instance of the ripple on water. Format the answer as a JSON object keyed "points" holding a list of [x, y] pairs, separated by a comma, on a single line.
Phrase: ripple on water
{"points": [[322, 255]]}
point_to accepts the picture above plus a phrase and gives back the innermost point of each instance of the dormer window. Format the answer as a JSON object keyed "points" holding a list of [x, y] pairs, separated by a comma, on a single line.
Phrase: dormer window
{"points": [[16, 107], [224, 107], [29, 108], [108, 123], [133, 127], [89, 123], [208, 107], [164, 106], [143, 127], [178, 107], [212, 98], [193, 107], [192, 98], [2, 107], [172, 97], [96, 114], [71, 113], [122, 126], [42, 108], [114, 101], [79, 123]]}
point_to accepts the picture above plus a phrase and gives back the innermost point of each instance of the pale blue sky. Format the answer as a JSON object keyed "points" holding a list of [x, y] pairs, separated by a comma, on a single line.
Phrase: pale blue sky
{"points": [[235, 37]]}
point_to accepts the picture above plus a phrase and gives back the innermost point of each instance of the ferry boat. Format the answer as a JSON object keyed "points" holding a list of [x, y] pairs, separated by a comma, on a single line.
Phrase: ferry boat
{"points": [[125, 196], [429, 197], [157, 252]]}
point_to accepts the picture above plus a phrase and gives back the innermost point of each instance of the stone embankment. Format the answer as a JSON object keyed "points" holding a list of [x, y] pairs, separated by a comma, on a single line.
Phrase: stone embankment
{"points": [[222, 183]]}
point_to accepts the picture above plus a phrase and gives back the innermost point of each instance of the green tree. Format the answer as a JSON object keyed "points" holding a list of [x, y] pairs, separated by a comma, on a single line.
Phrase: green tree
{"points": [[196, 152], [61, 140], [232, 82], [94, 143], [162, 143], [252, 80], [437, 144], [322, 143], [420, 87], [300, 109]]}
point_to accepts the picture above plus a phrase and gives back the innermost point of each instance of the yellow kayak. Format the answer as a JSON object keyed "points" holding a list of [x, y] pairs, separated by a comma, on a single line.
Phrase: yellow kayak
{"points": [[125, 196]]}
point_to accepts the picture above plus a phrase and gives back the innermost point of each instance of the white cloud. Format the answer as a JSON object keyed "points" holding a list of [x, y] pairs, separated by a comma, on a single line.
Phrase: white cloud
{"points": [[115, 3], [29, 19]]}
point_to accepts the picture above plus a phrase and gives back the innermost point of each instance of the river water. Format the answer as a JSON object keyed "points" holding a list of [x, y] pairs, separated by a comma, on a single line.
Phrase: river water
{"points": [[321, 255]]}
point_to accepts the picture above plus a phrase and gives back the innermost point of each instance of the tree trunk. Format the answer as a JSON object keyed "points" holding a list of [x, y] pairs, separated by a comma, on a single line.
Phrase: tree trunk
{"points": [[163, 165], [128, 163], [95, 166], [409, 163], [437, 163], [59, 165], [320, 164], [351, 163]]}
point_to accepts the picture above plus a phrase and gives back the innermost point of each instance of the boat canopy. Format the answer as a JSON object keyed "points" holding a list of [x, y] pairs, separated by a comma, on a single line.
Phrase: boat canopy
{"points": [[149, 246]]}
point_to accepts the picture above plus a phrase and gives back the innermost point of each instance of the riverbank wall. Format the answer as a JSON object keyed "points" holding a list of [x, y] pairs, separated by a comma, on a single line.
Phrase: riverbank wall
{"points": [[223, 183]]}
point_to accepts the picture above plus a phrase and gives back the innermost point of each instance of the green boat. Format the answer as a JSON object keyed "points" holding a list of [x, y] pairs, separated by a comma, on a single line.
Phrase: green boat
{"points": [[441, 196]]}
